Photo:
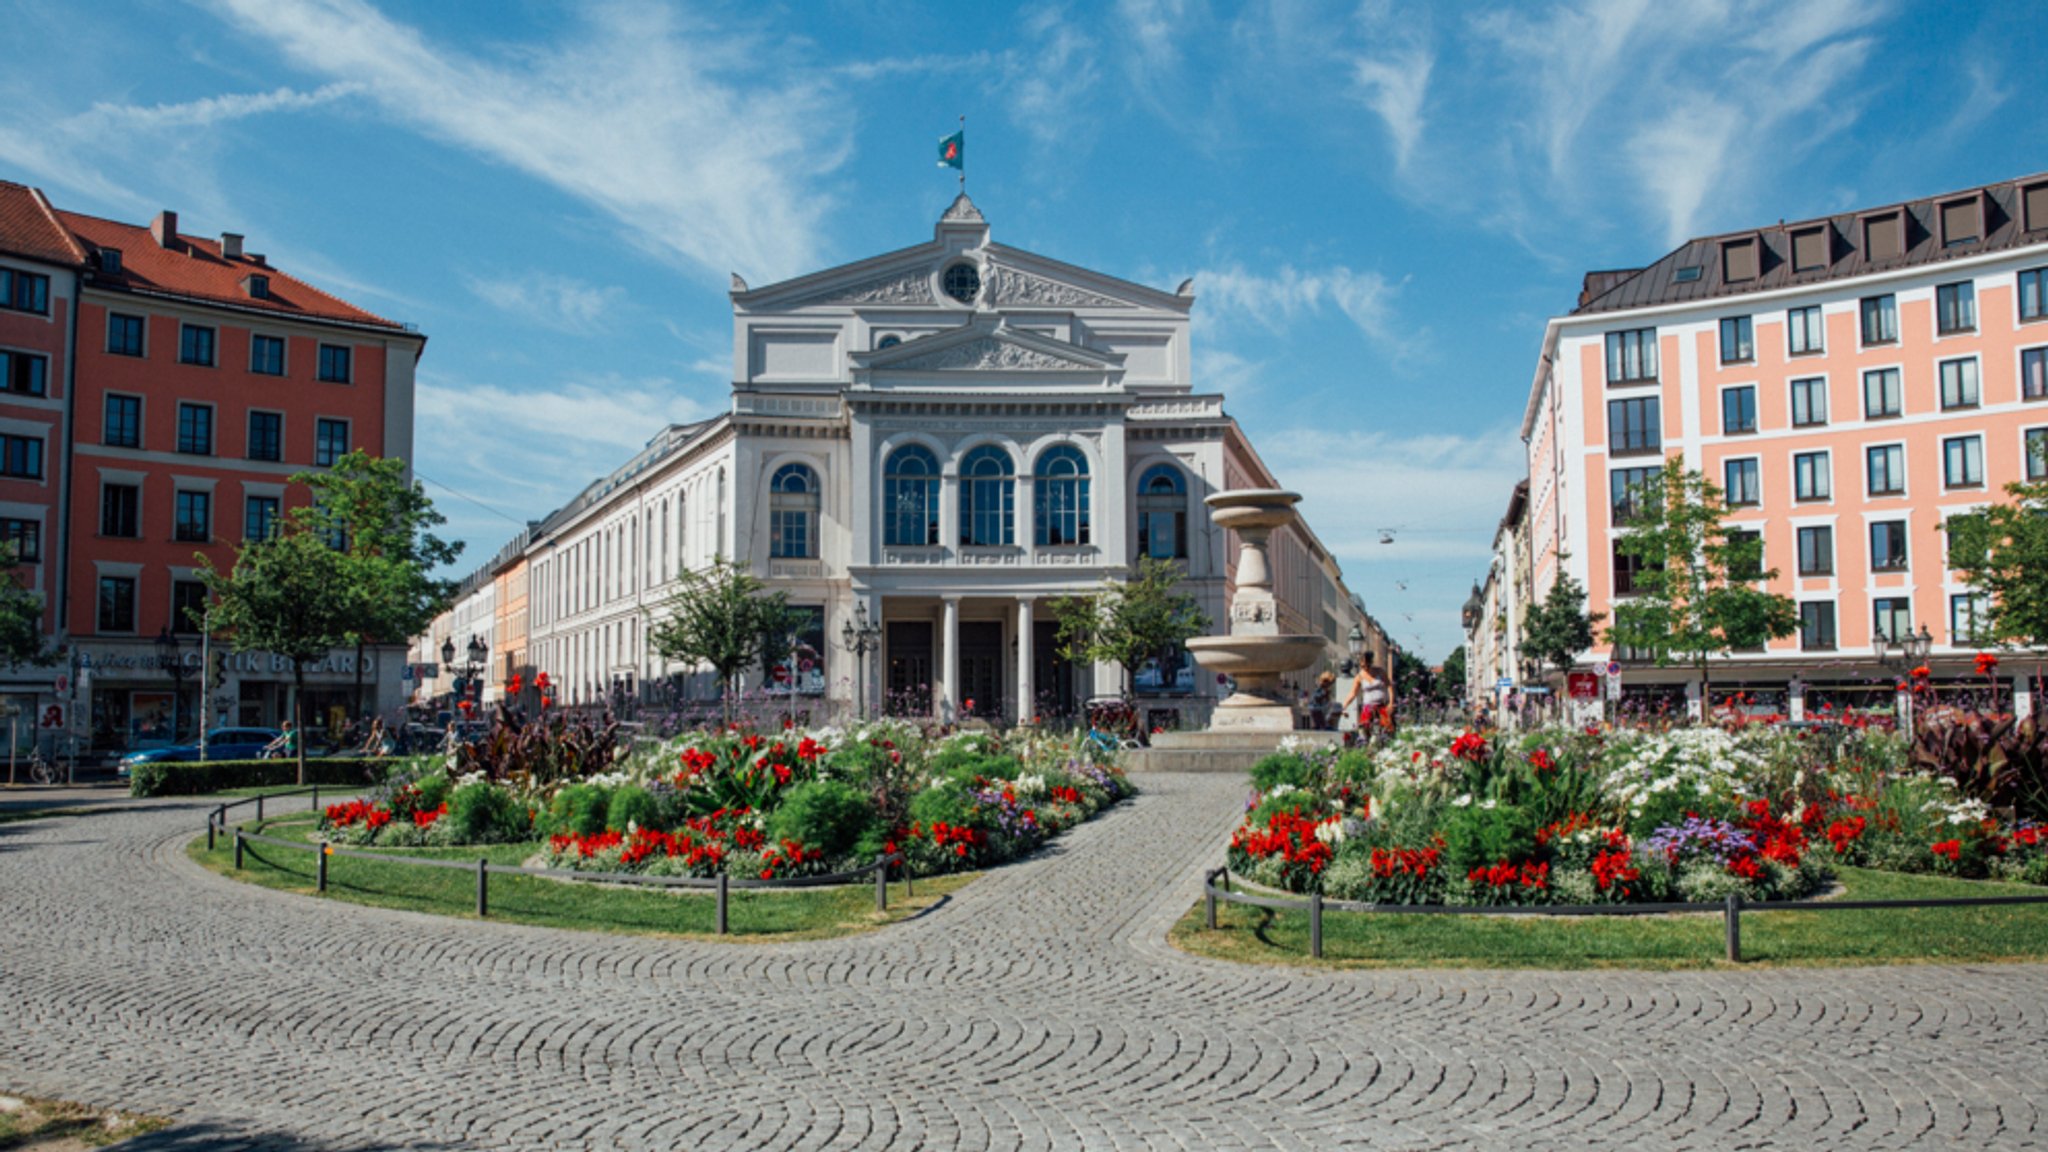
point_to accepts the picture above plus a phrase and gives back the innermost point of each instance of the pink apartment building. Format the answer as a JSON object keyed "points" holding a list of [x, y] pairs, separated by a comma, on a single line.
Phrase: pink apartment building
{"points": [[1851, 382]]}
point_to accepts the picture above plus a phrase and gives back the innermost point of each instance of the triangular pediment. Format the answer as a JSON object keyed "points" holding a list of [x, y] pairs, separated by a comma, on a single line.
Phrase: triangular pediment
{"points": [[986, 344]]}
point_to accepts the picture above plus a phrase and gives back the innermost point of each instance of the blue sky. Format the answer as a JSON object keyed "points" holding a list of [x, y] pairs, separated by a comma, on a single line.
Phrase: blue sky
{"points": [[1380, 204]]}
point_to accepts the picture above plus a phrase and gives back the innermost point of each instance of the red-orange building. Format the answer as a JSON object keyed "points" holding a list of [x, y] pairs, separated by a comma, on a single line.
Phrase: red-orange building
{"points": [[200, 379]]}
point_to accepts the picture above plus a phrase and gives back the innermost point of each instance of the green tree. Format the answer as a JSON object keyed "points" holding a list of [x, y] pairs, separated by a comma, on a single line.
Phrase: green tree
{"points": [[1558, 628], [1696, 581], [1450, 683], [723, 616], [2003, 551], [288, 595], [383, 525], [1129, 621], [22, 640]]}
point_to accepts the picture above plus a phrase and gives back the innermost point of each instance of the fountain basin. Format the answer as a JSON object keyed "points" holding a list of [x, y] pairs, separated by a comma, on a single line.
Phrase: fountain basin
{"points": [[1253, 508], [1246, 657]]}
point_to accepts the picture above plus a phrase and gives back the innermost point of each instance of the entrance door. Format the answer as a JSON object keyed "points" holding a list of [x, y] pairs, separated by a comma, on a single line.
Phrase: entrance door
{"points": [[910, 669], [981, 668], [1051, 677]]}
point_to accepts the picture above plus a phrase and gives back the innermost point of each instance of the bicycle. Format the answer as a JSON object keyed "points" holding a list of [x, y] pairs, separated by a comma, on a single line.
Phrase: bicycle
{"points": [[41, 770]]}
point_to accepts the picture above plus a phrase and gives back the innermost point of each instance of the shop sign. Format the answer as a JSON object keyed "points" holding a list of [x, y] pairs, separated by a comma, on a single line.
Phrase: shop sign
{"points": [[261, 663], [1583, 685]]}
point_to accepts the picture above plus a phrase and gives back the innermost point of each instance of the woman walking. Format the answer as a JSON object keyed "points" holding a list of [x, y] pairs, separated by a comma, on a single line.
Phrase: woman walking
{"points": [[1373, 696]]}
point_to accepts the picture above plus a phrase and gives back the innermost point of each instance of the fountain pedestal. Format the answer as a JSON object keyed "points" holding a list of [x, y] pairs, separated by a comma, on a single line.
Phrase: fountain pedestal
{"points": [[1250, 722]]}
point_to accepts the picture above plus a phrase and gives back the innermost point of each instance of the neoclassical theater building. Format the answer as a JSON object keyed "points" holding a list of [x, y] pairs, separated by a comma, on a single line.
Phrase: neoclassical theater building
{"points": [[947, 436]]}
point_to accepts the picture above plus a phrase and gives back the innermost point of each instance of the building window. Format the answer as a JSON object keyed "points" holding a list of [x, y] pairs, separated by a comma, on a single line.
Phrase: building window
{"points": [[25, 535], [124, 334], [195, 429], [1632, 356], [120, 511], [1803, 331], [117, 604], [1060, 497], [1962, 222], [1629, 489], [1885, 465], [910, 496], [1892, 618], [793, 502], [1809, 402], [1817, 550], [988, 514], [123, 425], [2034, 294], [259, 517], [1962, 462], [1633, 425], [1811, 250], [21, 457], [1881, 393], [2034, 374], [1817, 625], [330, 441], [1959, 383], [24, 291], [1628, 571], [334, 363], [1810, 479], [1880, 319], [1888, 546], [1738, 410], [1955, 308], [1163, 513], [1745, 552], [195, 518], [195, 345], [1966, 618], [1738, 340], [963, 283], [266, 436], [266, 355], [1743, 486], [2036, 463], [24, 373], [188, 606]]}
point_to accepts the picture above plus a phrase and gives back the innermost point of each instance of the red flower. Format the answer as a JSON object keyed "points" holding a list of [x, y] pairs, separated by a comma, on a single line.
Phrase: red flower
{"points": [[1922, 672], [1951, 849], [1471, 746], [1541, 761], [1986, 664], [1745, 867]]}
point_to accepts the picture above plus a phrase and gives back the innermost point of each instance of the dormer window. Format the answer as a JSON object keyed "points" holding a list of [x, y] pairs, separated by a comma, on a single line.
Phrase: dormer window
{"points": [[1738, 261], [110, 261], [258, 286], [1962, 221], [1884, 237], [1810, 249]]}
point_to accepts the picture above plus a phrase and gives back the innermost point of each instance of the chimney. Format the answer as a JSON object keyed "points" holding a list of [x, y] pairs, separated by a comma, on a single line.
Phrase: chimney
{"points": [[165, 229], [231, 245], [256, 258]]}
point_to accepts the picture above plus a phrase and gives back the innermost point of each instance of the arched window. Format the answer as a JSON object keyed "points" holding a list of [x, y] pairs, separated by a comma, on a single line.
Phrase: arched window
{"points": [[793, 513], [988, 498], [1163, 513], [1060, 498], [910, 497]]}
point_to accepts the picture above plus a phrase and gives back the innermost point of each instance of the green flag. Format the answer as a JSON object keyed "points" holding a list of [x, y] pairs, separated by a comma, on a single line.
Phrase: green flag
{"points": [[953, 151]]}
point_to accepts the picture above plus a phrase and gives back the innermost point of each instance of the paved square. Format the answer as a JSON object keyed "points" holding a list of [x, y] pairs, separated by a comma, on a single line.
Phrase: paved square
{"points": [[1039, 1009]]}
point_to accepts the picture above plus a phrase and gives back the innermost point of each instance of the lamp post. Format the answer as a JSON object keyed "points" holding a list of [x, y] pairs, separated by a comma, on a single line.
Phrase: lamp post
{"points": [[1901, 656], [1356, 643], [860, 636], [479, 654]]}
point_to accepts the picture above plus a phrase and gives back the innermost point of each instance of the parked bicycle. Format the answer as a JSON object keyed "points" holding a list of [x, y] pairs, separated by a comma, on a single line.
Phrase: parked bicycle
{"points": [[41, 769]]}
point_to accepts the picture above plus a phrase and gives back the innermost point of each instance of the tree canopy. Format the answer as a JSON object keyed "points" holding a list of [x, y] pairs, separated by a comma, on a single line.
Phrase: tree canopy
{"points": [[1128, 622], [725, 617], [2003, 551], [1558, 628], [22, 639]]}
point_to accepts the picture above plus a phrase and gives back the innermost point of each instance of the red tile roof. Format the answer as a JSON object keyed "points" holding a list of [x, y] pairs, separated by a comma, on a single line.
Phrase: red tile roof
{"points": [[195, 268], [30, 229]]}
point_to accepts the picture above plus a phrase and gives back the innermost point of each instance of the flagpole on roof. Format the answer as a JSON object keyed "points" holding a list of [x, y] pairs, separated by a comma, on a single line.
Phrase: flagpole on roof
{"points": [[963, 158]]}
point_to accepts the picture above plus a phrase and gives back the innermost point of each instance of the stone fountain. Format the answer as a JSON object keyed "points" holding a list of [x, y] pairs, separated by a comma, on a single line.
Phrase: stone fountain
{"points": [[1255, 653]]}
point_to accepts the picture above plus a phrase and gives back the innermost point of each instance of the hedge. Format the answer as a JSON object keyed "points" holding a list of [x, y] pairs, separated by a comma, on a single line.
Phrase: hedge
{"points": [[199, 777]]}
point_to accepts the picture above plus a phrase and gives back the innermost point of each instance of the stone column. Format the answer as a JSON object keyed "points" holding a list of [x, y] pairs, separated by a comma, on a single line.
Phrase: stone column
{"points": [[947, 699], [1026, 705]]}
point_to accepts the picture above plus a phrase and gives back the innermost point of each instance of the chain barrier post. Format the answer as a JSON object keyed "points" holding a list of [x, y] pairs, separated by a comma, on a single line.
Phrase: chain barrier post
{"points": [[1315, 925], [882, 887], [483, 887], [238, 849], [1733, 913], [323, 866], [721, 903]]}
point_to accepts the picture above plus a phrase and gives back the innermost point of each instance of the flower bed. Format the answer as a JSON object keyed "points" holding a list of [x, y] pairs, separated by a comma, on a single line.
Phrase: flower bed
{"points": [[1561, 816], [750, 804]]}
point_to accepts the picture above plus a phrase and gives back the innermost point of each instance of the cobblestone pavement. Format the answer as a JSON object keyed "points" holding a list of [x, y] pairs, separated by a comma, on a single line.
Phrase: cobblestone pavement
{"points": [[1039, 1009]]}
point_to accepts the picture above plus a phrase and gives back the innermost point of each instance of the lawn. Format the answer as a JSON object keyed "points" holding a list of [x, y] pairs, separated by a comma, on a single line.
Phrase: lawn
{"points": [[29, 1123], [802, 914], [1886, 936]]}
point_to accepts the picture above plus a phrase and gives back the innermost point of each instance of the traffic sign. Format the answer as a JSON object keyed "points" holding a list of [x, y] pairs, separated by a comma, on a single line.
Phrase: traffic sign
{"points": [[1504, 682], [1613, 668], [63, 685]]}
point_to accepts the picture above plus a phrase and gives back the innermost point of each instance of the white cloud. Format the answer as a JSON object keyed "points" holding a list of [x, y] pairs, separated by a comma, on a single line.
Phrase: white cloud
{"points": [[1050, 83], [676, 132], [1394, 87], [1278, 298], [562, 303], [202, 113]]}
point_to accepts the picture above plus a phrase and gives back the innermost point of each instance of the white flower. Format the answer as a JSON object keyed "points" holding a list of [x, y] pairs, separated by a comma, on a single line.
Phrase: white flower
{"points": [[1487, 805], [1280, 790], [1464, 801], [1331, 832]]}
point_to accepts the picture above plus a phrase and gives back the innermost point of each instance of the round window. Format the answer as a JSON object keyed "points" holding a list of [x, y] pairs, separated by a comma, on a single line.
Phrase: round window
{"points": [[888, 341], [963, 283]]}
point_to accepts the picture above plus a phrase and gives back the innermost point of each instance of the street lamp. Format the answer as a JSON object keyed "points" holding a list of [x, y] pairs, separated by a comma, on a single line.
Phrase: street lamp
{"points": [[1901, 656], [1356, 642], [860, 636], [479, 653]]}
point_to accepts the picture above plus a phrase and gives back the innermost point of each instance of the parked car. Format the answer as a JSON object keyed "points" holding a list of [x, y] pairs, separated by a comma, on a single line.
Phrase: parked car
{"points": [[221, 744]]}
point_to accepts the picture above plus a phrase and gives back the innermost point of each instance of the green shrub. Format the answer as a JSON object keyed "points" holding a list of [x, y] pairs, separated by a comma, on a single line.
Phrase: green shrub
{"points": [[631, 805], [1283, 768], [482, 813], [945, 804], [433, 789], [822, 814], [1477, 837], [1354, 766], [198, 778], [577, 810]]}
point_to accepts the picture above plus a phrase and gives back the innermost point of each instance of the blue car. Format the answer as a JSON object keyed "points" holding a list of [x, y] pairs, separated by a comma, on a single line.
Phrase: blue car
{"points": [[221, 744]]}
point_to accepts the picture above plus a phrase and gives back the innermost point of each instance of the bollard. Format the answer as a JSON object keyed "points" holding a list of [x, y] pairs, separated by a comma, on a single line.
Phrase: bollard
{"points": [[909, 889], [259, 808], [721, 903], [209, 833], [1733, 911], [323, 866], [483, 888], [238, 849], [1315, 925], [316, 798], [1209, 903], [882, 888]]}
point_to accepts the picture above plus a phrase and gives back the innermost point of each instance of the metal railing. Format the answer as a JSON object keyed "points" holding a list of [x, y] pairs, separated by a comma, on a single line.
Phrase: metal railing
{"points": [[722, 884], [1729, 909]]}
